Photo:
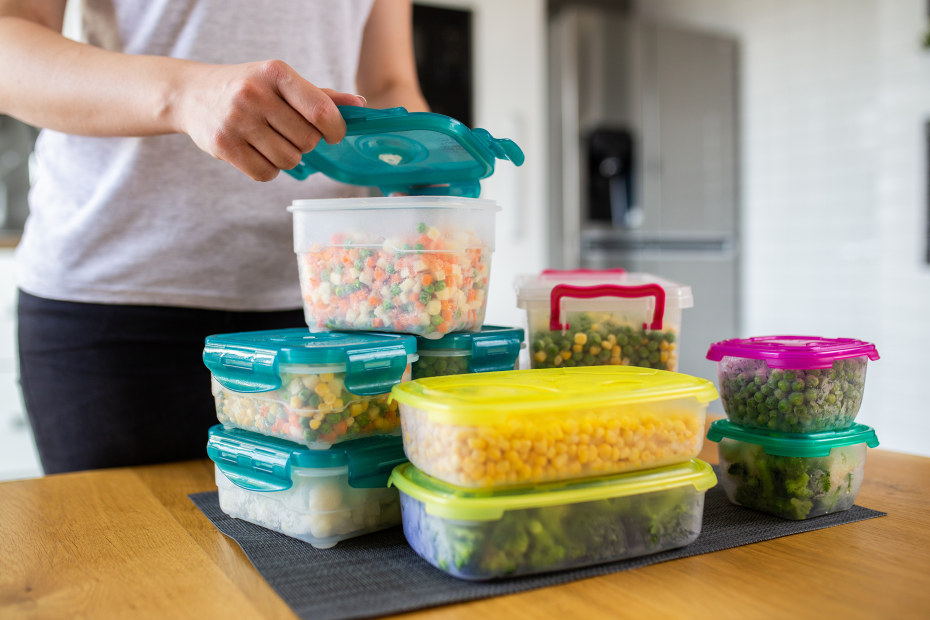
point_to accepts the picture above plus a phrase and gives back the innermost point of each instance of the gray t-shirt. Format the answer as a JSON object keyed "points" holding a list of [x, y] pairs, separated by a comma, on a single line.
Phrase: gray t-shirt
{"points": [[157, 221]]}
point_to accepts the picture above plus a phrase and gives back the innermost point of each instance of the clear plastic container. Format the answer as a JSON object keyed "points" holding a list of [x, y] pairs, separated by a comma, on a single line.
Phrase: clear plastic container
{"points": [[517, 427], [314, 389], [792, 476], [480, 535], [793, 384], [317, 496], [404, 264], [491, 349], [587, 317]]}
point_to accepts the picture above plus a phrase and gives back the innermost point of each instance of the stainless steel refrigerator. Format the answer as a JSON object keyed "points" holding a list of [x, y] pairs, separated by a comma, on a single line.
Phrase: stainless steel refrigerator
{"points": [[644, 167]]}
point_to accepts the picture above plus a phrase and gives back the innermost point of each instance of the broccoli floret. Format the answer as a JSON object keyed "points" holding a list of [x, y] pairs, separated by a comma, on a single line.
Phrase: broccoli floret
{"points": [[797, 486]]}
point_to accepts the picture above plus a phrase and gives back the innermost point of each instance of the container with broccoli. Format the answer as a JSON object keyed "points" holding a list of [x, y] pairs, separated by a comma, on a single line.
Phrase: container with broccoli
{"points": [[792, 476], [792, 384], [480, 535], [587, 317]]}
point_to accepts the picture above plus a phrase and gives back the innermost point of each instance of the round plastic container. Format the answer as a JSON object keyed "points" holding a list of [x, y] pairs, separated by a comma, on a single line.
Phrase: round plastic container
{"points": [[588, 317], [792, 384], [498, 429], [316, 389], [486, 535], [318, 496], [792, 476], [492, 349], [405, 264]]}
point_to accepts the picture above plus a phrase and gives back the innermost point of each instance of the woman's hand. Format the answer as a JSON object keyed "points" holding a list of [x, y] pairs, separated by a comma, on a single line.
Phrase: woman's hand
{"points": [[260, 116]]}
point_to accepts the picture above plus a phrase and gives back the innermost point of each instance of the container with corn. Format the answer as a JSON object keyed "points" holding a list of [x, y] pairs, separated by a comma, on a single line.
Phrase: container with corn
{"points": [[519, 427]]}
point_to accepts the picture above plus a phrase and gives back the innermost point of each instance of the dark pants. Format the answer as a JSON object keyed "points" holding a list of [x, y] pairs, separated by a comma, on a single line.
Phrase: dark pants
{"points": [[114, 385]]}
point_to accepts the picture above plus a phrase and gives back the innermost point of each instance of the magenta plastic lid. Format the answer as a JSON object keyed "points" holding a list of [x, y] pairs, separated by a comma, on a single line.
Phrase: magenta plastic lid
{"points": [[792, 351]]}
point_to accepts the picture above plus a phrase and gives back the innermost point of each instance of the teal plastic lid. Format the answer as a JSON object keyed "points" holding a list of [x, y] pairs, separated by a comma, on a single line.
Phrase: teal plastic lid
{"points": [[264, 463], [413, 153], [251, 361], [492, 348], [788, 444]]}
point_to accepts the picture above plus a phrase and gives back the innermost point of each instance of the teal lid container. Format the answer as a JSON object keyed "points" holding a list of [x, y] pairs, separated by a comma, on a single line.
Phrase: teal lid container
{"points": [[318, 496], [491, 349], [412, 153], [313, 388], [789, 444]]}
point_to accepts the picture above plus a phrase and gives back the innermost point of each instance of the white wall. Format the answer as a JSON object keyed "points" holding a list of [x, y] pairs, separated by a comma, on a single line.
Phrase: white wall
{"points": [[834, 97]]}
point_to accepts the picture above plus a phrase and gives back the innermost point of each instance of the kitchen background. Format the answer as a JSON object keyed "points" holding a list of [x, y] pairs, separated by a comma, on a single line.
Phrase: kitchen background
{"points": [[772, 155]]}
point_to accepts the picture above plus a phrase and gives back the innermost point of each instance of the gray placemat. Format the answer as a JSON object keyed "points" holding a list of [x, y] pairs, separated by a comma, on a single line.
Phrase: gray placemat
{"points": [[379, 574]]}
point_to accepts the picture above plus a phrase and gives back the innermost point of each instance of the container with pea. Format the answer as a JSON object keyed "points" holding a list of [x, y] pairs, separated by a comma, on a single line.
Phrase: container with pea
{"points": [[316, 389], [792, 384], [587, 317], [490, 349], [517, 427]]}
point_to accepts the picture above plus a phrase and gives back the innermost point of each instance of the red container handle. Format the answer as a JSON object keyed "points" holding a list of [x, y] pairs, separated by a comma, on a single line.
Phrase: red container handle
{"points": [[605, 290], [573, 272]]}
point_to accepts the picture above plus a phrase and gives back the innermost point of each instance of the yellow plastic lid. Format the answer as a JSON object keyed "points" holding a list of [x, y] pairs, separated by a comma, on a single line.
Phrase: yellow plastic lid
{"points": [[451, 502], [480, 398]]}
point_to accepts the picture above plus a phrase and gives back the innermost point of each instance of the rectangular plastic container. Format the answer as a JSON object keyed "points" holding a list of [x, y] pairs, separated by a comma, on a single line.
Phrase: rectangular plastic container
{"points": [[587, 317], [517, 427], [489, 350], [792, 384], [315, 389], [479, 535], [317, 496], [792, 476], [404, 264]]}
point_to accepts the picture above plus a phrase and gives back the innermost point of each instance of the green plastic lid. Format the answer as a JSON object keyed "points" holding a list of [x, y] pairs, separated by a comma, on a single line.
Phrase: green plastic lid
{"points": [[452, 502], [789, 444], [413, 153], [251, 361], [492, 348], [264, 463]]}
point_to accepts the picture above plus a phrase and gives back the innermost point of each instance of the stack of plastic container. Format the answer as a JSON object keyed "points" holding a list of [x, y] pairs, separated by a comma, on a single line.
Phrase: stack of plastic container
{"points": [[586, 317], [308, 435], [790, 446], [527, 471]]}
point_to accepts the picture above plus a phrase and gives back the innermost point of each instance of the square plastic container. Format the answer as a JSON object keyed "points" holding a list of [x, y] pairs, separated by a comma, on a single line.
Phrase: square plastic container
{"points": [[792, 476], [518, 427], [489, 350], [314, 389], [587, 317], [406, 264], [792, 384], [317, 496], [486, 535]]}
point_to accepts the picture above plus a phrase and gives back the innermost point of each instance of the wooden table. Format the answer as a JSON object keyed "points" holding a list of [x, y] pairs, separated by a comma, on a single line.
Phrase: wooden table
{"points": [[121, 542]]}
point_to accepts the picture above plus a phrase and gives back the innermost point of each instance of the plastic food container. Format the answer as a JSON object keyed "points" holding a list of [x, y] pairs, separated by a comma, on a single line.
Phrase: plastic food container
{"points": [[589, 317], [406, 264], [314, 389], [318, 496], [491, 349], [484, 535], [792, 476], [517, 427], [793, 384]]}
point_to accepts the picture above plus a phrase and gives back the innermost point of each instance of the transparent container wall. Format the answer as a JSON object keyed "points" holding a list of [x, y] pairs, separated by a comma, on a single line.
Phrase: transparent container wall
{"points": [[791, 400], [417, 270], [311, 408], [791, 487], [320, 508], [604, 331], [572, 443], [441, 363], [535, 540]]}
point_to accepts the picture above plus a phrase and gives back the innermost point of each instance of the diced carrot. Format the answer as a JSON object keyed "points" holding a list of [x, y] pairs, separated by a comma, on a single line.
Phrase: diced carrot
{"points": [[340, 427], [373, 301], [427, 279], [376, 322], [379, 274]]}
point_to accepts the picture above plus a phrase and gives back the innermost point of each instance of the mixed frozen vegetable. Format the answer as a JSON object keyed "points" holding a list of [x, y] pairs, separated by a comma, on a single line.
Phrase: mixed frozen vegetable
{"points": [[792, 401], [555, 537], [313, 409], [431, 283]]}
